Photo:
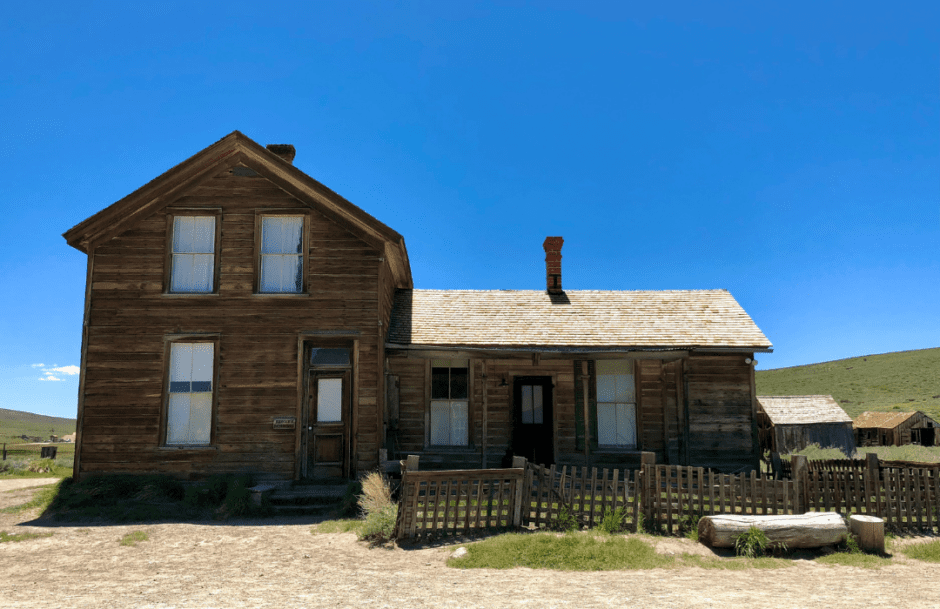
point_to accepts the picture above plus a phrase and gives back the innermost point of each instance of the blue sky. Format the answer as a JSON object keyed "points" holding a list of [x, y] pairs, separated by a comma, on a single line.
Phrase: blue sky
{"points": [[788, 153]]}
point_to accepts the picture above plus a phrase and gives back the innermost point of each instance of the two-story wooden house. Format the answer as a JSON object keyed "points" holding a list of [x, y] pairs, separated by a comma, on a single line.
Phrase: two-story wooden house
{"points": [[242, 317]]}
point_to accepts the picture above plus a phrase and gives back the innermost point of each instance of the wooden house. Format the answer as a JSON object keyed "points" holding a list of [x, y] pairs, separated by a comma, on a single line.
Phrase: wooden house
{"points": [[896, 429], [788, 424], [242, 317]]}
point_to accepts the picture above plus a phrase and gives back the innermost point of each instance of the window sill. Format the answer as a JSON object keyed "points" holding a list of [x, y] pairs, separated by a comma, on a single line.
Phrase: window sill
{"points": [[190, 447], [280, 295], [187, 294], [619, 450], [451, 450]]}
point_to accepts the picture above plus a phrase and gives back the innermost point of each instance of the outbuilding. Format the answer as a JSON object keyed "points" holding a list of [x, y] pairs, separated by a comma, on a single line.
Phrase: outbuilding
{"points": [[791, 423], [896, 428]]}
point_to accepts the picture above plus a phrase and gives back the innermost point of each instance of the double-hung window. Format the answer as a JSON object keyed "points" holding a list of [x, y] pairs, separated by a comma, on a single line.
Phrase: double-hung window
{"points": [[616, 404], [449, 402], [189, 407], [281, 264], [192, 255]]}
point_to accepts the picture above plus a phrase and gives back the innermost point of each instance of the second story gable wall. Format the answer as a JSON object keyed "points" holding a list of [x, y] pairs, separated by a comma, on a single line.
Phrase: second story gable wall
{"points": [[131, 317]]}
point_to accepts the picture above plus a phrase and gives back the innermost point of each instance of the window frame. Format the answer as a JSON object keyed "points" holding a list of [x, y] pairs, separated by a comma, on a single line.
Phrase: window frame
{"points": [[631, 365], [168, 341], [172, 214], [429, 367], [260, 214]]}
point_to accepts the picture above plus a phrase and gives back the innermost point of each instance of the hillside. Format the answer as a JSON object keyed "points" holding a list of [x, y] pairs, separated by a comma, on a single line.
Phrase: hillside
{"points": [[906, 380], [14, 423]]}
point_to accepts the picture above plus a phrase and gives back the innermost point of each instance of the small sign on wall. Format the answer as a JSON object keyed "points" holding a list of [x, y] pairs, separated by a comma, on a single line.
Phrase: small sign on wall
{"points": [[285, 422]]}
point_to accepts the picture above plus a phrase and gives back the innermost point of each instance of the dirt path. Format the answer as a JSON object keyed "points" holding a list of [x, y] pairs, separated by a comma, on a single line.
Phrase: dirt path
{"points": [[280, 564], [10, 484]]}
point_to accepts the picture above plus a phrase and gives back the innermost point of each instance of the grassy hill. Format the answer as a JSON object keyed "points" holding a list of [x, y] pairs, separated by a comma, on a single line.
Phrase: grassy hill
{"points": [[903, 381], [14, 423]]}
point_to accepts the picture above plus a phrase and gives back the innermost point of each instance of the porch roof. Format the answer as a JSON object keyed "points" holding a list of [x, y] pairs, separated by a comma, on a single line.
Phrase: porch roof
{"points": [[575, 319], [803, 409]]}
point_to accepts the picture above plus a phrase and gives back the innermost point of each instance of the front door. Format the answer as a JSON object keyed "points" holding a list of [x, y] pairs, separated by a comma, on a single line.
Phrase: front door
{"points": [[532, 419], [327, 424]]}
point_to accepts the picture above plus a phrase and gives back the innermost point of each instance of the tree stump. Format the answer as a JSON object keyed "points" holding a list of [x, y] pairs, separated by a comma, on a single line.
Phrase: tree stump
{"points": [[812, 530], [870, 531]]}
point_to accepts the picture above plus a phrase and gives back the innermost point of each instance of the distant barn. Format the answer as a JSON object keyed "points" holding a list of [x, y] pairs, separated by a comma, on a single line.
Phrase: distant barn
{"points": [[896, 429], [791, 423]]}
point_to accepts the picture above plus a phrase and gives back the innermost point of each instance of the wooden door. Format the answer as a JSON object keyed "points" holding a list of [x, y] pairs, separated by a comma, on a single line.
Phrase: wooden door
{"points": [[327, 424], [532, 435]]}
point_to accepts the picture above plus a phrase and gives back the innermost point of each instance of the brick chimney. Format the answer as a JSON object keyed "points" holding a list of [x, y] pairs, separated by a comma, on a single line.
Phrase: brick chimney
{"points": [[552, 247], [285, 151]]}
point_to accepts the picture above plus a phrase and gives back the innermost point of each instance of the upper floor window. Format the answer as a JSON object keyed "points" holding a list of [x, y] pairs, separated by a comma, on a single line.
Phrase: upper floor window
{"points": [[189, 408], [282, 268], [449, 402], [616, 403], [192, 264]]}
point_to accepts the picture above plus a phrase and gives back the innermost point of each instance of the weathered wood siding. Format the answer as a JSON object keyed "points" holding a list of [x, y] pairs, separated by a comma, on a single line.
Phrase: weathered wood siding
{"points": [[129, 318], [720, 416], [721, 421], [414, 417]]}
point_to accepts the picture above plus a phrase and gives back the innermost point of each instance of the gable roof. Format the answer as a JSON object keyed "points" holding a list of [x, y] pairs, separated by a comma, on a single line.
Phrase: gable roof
{"points": [[576, 320], [238, 149], [882, 420], [802, 409]]}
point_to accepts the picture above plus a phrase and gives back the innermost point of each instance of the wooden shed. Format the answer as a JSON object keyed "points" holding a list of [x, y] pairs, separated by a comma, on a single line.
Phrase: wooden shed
{"points": [[242, 317], [791, 423], [896, 429]]}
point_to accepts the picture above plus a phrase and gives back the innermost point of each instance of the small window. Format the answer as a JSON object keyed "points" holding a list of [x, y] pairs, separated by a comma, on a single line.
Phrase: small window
{"points": [[193, 255], [449, 402], [329, 357], [189, 408], [616, 404], [281, 255]]}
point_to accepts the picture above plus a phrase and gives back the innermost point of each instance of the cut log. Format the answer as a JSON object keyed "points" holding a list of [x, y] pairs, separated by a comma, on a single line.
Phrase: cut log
{"points": [[870, 531], [812, 530]]}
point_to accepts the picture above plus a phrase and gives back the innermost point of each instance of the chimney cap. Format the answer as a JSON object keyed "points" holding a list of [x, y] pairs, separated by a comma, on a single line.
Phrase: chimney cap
{"points": [[285, 151]]}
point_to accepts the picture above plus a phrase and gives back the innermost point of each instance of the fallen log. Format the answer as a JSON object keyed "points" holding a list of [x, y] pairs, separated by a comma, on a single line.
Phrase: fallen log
{"points": [[812, 530]]}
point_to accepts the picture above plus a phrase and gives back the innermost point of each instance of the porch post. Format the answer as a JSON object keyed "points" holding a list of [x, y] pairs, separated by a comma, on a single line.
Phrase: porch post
{"points": [[484, 389], [585, 379]]}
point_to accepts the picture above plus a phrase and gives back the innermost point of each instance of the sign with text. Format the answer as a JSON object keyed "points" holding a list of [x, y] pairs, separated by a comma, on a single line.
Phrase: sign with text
{"points": [[285, 422]]}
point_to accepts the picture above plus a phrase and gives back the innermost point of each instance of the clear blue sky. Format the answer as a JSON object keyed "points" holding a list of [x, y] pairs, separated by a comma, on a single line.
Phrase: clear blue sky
{"points": [[788, 153]]}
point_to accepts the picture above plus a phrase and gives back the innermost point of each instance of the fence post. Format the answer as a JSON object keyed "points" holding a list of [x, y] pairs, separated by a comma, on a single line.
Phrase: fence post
{"points": [[517, 500], [872, 482], [412, 462], [800, 468], [518, 461]]}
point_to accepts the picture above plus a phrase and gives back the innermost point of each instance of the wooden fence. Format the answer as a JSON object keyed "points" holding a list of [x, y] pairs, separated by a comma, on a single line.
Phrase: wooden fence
{"points": [[584, 493], [459, 501], [674, 497], [669, 498]]}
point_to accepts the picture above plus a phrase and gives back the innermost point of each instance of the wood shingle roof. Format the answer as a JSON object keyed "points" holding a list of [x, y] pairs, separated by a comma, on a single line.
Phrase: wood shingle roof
{"points": [[575, 320], [882, 420], [803, 409]]}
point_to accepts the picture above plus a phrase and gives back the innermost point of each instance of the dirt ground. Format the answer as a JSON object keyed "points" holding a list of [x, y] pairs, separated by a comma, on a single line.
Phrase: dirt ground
{"points": [[280, 564]]}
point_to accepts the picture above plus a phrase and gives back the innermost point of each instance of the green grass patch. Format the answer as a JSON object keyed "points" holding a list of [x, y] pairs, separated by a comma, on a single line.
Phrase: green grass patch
{"points": [[902, 381], [134, 537], [928, 551], [43, 496], [35, 468], [345, 525], [6, 537], [570, 552]]}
